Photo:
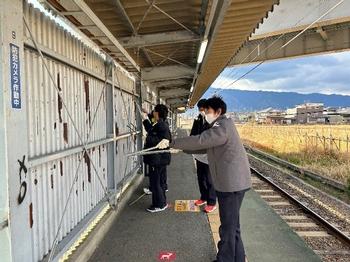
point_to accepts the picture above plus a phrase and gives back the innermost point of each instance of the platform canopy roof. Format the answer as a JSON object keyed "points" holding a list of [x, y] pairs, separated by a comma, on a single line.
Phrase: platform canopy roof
{"points": [[160, 40]]}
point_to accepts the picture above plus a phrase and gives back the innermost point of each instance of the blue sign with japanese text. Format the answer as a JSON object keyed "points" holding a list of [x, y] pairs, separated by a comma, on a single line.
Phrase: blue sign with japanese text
{"points": [[15, 76]]}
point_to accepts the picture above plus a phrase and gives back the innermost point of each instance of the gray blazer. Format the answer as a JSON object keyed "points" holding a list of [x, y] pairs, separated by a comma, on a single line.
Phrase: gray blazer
{"points": [[228, 161]]}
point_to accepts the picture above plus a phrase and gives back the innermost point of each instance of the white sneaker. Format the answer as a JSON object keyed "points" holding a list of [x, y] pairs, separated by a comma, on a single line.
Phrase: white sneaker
{"points": [[147, 191], [156, 209]]}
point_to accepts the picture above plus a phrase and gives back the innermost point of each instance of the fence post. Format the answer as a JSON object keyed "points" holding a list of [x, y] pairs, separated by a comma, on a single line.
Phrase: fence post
{"points": [[16, 208]]}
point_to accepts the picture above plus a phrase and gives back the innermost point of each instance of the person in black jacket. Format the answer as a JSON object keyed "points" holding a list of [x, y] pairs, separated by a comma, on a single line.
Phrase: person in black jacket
{"points": [[148, 190], [206, 188], [157, 163]]}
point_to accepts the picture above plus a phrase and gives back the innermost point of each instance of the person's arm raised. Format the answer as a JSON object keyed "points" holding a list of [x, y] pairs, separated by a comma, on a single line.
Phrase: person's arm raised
{"points": [[212, 137]]}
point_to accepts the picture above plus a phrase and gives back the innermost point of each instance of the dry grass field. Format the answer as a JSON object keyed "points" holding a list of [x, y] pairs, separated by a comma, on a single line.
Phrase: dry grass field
{"points": [[324, 149]]}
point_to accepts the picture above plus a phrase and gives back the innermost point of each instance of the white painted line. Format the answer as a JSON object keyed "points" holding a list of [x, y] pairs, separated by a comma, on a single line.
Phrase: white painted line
{"points": [[312, 233], [279, 203], [294, 217], [296, 224], [268, 196]]}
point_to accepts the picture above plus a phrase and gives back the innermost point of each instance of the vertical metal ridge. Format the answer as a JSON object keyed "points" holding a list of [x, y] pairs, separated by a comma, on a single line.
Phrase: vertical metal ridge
{"points": [[50, 130]]}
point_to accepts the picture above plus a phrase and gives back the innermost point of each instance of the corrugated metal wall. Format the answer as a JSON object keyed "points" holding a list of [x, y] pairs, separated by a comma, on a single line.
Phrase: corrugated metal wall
{"points": [[125, 122], [56, 140]]}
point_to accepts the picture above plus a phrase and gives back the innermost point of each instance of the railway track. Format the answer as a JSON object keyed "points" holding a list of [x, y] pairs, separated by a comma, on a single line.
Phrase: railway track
{"points": [[318, 226]]}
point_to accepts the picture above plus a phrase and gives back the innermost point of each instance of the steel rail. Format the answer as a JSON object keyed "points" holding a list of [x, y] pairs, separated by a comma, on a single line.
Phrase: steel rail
{"points": [[341, 235]]}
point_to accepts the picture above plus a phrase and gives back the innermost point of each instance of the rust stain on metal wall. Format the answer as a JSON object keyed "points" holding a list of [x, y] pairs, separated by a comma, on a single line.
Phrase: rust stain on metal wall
{"points": [[61, 168], [87, 98], [88, 164], [65, 132], [51, 181], [59, 100], [99, 155], [116, 131], [31, 222]]}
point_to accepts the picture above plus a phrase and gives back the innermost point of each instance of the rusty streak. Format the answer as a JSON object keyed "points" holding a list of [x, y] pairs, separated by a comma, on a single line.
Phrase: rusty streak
{"points": [[59, 100], [88, 164], [87, 97], [61, 168], [65, 132], [51, 181], [116, 131], [31, 222], [99, 155]]}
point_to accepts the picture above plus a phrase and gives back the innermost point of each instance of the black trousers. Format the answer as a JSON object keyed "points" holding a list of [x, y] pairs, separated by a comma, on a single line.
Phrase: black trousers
{"points": [[157, 186], [164, 182], [205, 183], [230, 246], [164, 179]]}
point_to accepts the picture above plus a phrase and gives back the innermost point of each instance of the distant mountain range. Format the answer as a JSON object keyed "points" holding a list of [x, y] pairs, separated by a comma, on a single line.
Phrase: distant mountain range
{"points": [[242, 100]]}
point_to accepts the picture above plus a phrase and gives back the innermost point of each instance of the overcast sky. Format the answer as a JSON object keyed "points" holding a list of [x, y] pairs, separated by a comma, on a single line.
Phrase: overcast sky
{"points": [[327, 74]]}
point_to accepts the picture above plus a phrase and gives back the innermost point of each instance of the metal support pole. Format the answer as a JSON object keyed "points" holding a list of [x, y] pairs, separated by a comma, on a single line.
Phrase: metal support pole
{"points": [[15, 183], [110, 131]]}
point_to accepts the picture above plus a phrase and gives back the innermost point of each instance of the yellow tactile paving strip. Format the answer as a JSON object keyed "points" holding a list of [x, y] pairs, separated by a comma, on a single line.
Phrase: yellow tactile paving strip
{"points": [[84, 235], [214, 222]]}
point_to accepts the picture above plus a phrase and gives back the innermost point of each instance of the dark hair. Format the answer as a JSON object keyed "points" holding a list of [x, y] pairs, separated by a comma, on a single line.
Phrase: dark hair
{"points": [[201, 103], [216, 103], [162, 111]]}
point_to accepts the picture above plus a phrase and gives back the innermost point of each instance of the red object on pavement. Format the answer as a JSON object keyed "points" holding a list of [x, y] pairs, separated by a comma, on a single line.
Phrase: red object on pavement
{"points": [[167, 256], [200, 202], [209, 209]]}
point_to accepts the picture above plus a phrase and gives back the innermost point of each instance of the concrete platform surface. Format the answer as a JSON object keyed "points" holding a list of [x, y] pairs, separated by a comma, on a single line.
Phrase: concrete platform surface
{"points": [[139, 236], [267, 237]]}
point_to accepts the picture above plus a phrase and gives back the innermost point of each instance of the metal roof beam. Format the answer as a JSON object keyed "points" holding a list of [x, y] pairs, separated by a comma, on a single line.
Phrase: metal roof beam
{"points": [[177, 101], [171, 83], [334, 39], [87, 10], [174, 92], [121, 9], [166, 73], [159, 39]]}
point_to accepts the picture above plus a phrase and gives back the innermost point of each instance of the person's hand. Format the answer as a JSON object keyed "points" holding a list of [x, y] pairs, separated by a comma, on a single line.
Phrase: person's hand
{"points": [[144, 116], [175, 151], [163, 144]]}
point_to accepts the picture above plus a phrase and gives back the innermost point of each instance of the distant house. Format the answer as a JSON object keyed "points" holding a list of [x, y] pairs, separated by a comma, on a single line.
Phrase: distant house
{"points": [[268, 115], [241, 117], [308, 113], [275, 119], [305, 113], [345, 114], [291, 116]]}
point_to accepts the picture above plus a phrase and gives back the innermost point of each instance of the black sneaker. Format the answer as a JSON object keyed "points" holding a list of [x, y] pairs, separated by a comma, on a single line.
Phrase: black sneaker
{"points": [[153, 209]]}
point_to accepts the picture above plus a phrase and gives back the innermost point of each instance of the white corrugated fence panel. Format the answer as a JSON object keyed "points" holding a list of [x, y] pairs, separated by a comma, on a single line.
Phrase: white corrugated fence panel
{"points": [[52, 132]]}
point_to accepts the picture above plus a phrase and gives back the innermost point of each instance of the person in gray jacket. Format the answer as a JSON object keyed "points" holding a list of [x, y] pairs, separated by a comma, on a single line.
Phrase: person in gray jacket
{"points": [[229, 168]]}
